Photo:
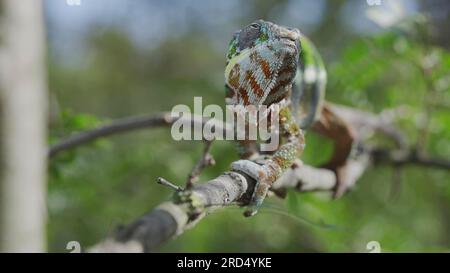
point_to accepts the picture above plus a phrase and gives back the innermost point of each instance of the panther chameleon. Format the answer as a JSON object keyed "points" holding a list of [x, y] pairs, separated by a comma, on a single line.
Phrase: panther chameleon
{"points": [[269, 64]]}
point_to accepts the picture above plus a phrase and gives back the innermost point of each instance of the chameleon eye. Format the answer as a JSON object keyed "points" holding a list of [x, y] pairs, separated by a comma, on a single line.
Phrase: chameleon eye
{"points": [[254, 26], [248, 36]]}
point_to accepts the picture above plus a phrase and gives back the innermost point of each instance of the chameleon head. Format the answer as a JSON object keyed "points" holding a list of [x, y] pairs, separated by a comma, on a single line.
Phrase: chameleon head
{"points": [[261, 63]]}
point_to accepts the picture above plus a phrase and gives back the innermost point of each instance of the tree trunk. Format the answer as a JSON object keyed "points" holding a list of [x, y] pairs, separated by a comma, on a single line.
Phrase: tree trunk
{"points": [[23, 102]]}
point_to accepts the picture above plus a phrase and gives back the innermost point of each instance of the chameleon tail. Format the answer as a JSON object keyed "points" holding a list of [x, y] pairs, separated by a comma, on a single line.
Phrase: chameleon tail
{"points": [[308, 91]]}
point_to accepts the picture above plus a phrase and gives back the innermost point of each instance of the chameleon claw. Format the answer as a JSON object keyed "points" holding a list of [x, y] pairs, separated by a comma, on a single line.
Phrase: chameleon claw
{"points": [[258, 196], [250, 212]]}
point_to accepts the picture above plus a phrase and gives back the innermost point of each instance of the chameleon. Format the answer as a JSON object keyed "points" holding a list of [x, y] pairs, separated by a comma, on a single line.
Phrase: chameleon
{"points": [[269, 64]]}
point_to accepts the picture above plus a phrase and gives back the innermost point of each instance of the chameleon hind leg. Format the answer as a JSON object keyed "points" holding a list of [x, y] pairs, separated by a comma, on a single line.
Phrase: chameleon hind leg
{"points": [[268, 171]]}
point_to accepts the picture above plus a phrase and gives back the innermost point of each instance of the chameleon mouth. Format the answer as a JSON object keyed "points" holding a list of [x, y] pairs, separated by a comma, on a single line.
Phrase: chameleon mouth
{"points": [[294, 44], [289, 41], [290, 36]]}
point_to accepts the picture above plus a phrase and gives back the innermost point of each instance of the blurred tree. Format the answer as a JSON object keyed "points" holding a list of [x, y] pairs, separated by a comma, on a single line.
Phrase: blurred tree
{"points": [[23, 127]]}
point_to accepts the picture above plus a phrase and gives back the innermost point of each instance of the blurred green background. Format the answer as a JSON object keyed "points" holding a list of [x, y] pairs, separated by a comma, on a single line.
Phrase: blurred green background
{"points": [[114, 58]]}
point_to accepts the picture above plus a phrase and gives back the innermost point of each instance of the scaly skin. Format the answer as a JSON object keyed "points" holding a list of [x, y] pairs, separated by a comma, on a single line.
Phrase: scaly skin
{"points": [[263, 69]]}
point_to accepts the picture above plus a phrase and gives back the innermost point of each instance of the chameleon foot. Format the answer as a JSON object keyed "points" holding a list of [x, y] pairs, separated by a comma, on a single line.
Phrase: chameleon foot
{"points": [[261, 174]]}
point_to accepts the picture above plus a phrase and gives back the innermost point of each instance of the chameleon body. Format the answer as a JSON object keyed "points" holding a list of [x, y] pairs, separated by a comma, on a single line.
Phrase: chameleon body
{"points": [[269, 64]]}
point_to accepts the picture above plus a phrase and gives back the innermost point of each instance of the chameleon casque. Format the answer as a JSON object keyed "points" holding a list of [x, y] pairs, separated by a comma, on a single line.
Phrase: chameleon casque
{"points": [[268, 64]]}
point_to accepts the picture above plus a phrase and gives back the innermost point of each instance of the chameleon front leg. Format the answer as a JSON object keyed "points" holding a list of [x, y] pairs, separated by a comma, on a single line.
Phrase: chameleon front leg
{"points": [[271, 169]]}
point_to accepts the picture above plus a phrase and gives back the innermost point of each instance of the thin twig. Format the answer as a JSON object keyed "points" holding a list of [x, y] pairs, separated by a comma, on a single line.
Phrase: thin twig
{"points": [[168, 184], [408, 157], [115, 127], [205, 161]]}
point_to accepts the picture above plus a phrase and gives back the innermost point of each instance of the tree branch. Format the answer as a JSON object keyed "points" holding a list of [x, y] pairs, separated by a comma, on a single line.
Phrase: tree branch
{"points": [[172, 218], [188, 207]]}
